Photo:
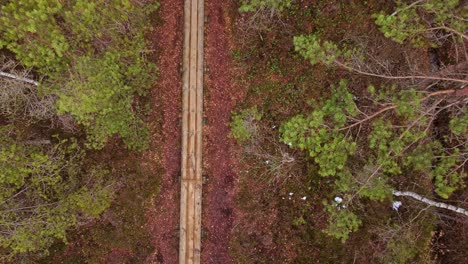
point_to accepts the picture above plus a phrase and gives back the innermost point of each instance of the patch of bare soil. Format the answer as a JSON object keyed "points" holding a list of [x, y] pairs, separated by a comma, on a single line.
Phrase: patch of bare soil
{"points": [[222, 95], [163, 215]]}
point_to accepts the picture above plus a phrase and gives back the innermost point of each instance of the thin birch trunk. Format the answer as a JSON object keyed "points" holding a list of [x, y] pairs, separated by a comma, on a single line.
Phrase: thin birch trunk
{"points": [[18, 78], [432, 203]]}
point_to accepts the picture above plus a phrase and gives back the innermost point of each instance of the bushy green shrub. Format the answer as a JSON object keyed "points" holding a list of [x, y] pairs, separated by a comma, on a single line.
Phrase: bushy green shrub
{"points": [[341, 221], [418, 21], [105, 100], [396, 144], [363, 166], [328, 147], [31, 31], [44, 191], [243, 126], [313, 48], [92, 55]]}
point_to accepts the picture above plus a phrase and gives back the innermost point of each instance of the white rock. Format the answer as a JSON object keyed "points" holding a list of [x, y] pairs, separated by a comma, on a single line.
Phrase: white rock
{"points": [[338, 199], [290, 144], [290, 194], [396, 205], [304, 198]]}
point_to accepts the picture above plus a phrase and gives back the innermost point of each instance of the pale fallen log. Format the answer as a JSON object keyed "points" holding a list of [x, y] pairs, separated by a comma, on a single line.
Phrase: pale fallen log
{"points": [[18, 78], [37, 142], [432, 203]]}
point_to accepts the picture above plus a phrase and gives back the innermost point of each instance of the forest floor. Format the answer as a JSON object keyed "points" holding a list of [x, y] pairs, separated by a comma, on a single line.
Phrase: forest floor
{"points": [[163, 215], [221, 95]]}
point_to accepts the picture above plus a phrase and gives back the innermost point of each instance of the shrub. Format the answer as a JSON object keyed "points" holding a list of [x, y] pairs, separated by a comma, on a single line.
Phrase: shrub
{"points": [[243, 127], [341, 221], [44, 192], [20, 100], [92, 54], [419, 21], [363, 166]]}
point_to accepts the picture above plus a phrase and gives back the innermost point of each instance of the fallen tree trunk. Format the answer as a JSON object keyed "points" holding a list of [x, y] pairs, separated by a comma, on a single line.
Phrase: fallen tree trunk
{"points": [[18, 78], [432, 203], [37, 142]]}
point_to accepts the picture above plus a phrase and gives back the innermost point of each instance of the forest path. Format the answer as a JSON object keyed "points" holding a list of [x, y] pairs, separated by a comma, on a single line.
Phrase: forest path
{"points": [[192, 126], [221, 94]]}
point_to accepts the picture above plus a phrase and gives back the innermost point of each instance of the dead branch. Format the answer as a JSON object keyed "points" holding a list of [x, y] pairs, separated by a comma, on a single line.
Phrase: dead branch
{"points": [[393, 106], [431, 202], [450, 30], [422, 77], [19, 78]]}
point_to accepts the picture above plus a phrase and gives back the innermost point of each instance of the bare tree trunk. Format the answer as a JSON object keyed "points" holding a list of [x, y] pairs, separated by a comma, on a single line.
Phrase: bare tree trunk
{"points": [[426, 78], [37, 142], [18, 78], [432, 203]]}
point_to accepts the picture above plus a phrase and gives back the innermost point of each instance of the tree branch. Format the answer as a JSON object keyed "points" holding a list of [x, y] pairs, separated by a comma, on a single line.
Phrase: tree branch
{"points": [[422, 77], [450, 30], [407, 7], [393, 106], [18, 78], [369, 117], [431, 202]]}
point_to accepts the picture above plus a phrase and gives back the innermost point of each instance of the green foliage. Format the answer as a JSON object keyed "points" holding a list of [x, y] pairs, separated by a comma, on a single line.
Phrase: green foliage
{"points": [[92, 53], [315, 50], [330, 148], [30, 30], [400, 250], [363, 167], [408, 102], [299, 221], [106, 99], [395, 144], [376, 186], [413, 22], [445, 176], [341, 221], [253, 5], [418, 23], [420, 158], [44, 192], [408, 242], [243, 126], [459, 124]]}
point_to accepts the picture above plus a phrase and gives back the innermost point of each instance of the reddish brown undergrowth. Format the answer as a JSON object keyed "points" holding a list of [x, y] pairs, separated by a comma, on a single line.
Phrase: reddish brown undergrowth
{"points": [[164, 212], [222, 93]]}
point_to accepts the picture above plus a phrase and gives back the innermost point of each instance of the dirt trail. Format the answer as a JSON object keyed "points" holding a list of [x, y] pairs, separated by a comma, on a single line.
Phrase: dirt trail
{"points": [[164, 212], [222, 94]]}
